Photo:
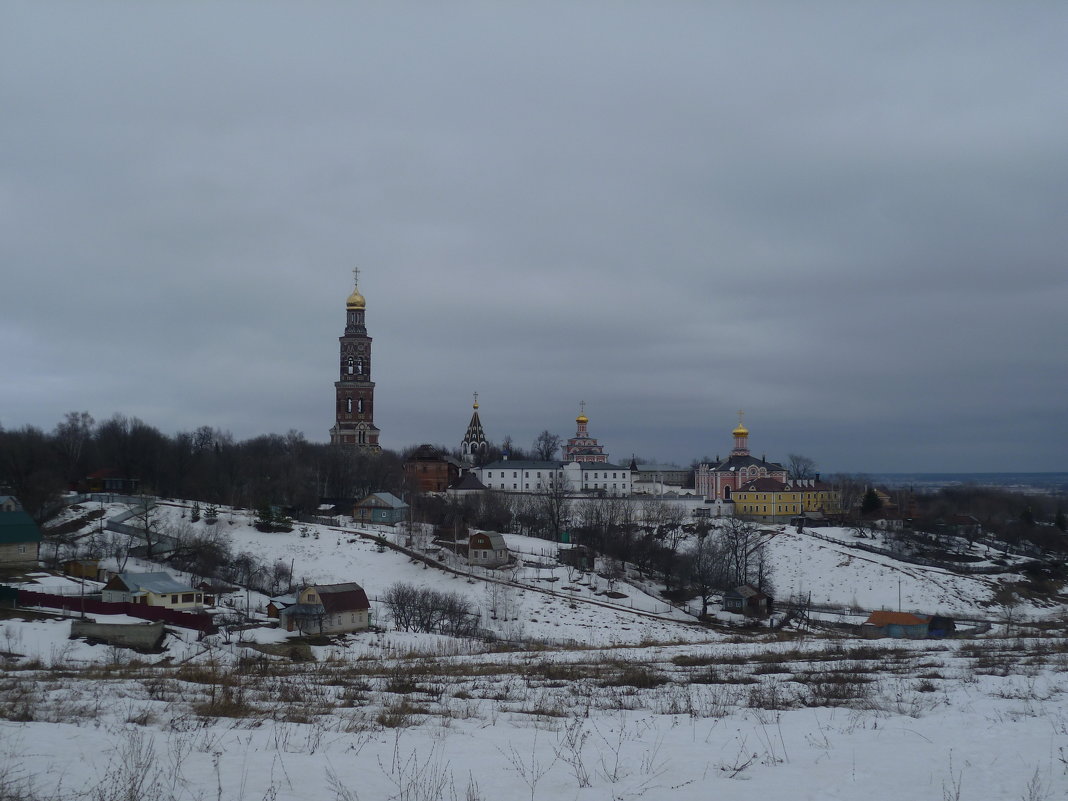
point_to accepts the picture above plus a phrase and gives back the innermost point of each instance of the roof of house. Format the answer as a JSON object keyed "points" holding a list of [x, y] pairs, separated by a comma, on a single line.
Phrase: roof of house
{"points": [[383, 499], [746, 591], [601, 466], [342, 597], [428, 453], [660, 468], [884, 617], [17, 526], [468, 481], [496, 540], [523, 464], [156, 583], [10, 498], [734, 462], [764, 485]]}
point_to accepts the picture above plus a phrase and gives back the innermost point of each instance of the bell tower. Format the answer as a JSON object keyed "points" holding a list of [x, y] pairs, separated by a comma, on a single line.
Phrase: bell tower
{"points": [[354, 390]]}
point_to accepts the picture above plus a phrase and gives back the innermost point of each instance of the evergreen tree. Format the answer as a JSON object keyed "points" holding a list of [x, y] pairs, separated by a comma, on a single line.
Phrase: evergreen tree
{"points": [[1060, 521], [871, 501], [194, 516]]}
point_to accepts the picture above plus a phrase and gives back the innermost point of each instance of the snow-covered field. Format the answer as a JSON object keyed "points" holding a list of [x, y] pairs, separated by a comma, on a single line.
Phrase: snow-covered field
{"points": [[611, 698]]}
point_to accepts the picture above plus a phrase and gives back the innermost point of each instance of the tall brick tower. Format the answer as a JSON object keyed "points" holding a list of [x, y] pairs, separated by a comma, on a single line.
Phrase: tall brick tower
{"points": [[355, 391]]}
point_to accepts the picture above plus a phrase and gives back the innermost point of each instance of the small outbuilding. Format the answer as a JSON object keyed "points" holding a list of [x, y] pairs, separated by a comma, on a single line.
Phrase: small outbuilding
{"points": [[747, 600], [577, 556], [487, 549], [900, 625]]}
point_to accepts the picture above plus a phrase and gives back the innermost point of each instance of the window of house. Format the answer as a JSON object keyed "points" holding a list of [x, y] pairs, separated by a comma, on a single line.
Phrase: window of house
{"points": [[188, 598], [311, 597], [174, 599]]}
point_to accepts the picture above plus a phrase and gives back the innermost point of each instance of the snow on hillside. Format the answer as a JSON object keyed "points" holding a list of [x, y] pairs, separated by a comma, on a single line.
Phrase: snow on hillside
{"points": [[543, 610], [839, 576], [645, 706]]}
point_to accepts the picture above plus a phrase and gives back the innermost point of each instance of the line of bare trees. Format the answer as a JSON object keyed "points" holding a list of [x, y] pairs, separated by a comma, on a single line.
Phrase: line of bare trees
{"points": [[206, 464], [415, 608]]}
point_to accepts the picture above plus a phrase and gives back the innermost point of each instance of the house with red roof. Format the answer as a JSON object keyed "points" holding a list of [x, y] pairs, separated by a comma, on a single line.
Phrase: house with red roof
{"points": [[328, 609]]}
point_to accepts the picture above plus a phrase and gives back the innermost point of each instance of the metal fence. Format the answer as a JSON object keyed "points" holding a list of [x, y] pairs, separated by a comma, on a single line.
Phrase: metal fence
{"points": [[200, 621]]}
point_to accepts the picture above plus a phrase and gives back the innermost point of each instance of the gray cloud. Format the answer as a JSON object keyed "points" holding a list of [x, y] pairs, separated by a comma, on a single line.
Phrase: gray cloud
{"points": [[846, 220]]}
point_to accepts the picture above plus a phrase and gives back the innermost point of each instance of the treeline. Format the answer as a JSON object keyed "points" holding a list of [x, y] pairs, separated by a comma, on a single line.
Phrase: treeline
{"points": [[206, 464]]}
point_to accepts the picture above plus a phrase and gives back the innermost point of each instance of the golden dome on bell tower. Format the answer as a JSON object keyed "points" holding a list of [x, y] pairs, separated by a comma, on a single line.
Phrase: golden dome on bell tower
{"points": [[355, 300]]}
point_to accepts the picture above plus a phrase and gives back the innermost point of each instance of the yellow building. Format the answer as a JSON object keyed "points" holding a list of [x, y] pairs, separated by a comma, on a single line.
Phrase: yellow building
{"points": [[771, 501], [819, 496], [767, 500]]}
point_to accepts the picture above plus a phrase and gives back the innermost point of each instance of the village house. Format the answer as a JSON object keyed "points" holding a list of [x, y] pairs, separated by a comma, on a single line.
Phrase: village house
{"points": [[20, 539], [328, 609], [151, 589], [487, 549], [380, 507]]}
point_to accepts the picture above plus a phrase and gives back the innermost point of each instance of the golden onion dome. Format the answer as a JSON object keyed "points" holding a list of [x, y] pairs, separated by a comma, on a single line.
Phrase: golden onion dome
{"points": [[741, 431], [355, 300], [582, 419]]}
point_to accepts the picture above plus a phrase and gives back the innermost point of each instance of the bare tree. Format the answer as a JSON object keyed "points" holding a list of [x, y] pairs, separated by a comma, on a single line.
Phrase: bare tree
{"points": [[707, 562], [546, 445], [743, 543], [70, 438], [800, 466]]}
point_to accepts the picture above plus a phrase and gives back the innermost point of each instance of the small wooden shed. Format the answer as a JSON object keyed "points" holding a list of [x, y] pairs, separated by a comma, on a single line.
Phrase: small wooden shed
{"points": [[747, 600]]}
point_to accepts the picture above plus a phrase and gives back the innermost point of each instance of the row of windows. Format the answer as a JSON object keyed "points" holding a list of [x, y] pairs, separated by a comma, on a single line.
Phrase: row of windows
{"points": [[348, 405], [355, 366]]}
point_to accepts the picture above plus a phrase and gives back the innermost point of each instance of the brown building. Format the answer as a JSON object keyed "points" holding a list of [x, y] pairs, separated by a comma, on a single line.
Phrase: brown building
{"points": [[354, 389], [430, 470]]}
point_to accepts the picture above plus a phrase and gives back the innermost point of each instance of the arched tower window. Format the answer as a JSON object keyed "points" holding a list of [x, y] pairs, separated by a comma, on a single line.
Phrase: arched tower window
{"points": [[359, 406], [348, 405], [359, 367], [350, 365]]}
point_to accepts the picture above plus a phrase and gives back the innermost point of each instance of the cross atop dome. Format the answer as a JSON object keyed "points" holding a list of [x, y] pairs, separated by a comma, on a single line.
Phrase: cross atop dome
{"points": [[356, 300]]}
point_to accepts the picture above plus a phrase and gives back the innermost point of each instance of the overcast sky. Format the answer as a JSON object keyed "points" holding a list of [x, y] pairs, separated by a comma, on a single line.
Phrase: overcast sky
{"points": [[848, 219]]}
